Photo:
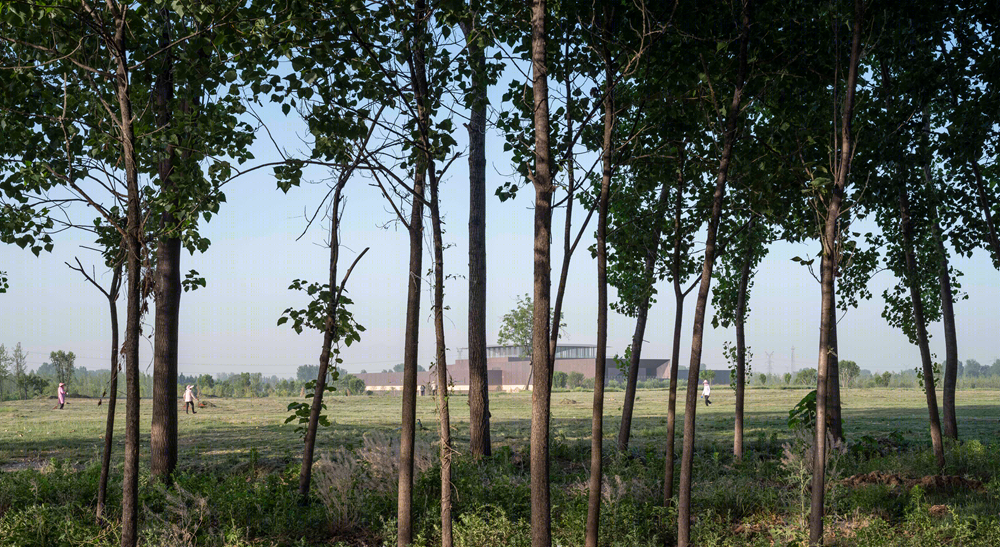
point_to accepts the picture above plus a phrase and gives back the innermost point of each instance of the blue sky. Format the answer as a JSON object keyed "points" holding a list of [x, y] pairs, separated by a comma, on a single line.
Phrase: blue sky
{"points": [[231, 325]]}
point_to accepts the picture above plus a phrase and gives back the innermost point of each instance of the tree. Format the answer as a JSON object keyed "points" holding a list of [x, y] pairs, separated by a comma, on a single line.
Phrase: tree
{"points": [[972, 368], [788, 378], [906, 305], [849, 370], [113, 253], [5, 374], [541, 179], [20, 371], [476, 99], [64, 365], [516, 326], [729, 138], [829, 238]]}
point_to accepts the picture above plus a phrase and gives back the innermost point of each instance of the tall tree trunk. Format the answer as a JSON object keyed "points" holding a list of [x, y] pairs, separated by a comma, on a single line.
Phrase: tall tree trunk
{"points": [[442, 367], [135, 249], [600, 362], [668, 476], [828, 267], [569, 246], [950, 339], [741, 349], [329, 335], [167, 288], [913, 281], [625, 431], [479, 401], [675, 354], [410, 345], [947, 300], [691, 404], [409, 395], [541, 533], [109, 429]]}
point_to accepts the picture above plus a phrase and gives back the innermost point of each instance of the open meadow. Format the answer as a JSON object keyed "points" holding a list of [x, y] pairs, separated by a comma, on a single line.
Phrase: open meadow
{"points": [[239, 464]]}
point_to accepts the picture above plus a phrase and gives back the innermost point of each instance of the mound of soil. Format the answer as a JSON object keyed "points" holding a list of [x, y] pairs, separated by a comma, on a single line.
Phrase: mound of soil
{"points": [[205, 404], [568, 402], [930, 482], [938, 510]]}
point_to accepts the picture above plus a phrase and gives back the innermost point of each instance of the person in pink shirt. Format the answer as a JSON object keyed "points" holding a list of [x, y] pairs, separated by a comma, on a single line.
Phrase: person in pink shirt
{"points": [[62, 394], [189, 400], [706, 393]]}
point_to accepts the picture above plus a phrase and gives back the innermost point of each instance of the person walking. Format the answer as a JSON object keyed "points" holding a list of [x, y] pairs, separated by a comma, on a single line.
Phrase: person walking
{"points": [[189, 400], [706, 393], [61, 392]]}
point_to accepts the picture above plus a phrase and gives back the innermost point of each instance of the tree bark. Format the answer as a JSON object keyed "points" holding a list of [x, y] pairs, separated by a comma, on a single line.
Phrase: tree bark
{"points": [[675, 354], [412, 333], [947, 300], [167, 288], [625, 431], [541, 533], [600, 362], [741, 350], [828, 267], [329, 335], [834, 421], [913, 281], [135, 249], [691, 404], [109, 429], [442, 366], [479, 401], [950, 339]]}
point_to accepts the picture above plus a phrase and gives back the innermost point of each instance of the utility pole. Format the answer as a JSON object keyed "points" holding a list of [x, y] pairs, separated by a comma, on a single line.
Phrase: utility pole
{"points": [[770, 361], [793, 360]]}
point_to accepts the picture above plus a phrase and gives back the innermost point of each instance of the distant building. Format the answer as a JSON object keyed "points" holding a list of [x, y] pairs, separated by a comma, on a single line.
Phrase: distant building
{"points": [[509, 369]]}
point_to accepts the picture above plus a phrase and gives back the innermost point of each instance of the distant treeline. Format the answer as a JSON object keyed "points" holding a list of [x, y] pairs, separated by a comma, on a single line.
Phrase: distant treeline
{"points": [[17, 383]]}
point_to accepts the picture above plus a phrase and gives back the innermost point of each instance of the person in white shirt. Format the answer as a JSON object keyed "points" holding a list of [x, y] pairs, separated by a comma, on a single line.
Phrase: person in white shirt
{"points": [[706, 392], [189, 400]]}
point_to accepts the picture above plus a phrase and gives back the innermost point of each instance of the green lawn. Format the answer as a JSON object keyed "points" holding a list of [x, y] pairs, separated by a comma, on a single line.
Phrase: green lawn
{"points": [[237, 476], [32, 433]]}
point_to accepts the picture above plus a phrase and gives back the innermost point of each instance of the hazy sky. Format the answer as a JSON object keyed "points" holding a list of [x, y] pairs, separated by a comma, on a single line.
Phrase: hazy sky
{"points": [[231, 325]]}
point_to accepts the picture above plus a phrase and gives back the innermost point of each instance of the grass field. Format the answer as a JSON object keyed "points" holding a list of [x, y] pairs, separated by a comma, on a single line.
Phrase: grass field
{"points": [[757, 501]]}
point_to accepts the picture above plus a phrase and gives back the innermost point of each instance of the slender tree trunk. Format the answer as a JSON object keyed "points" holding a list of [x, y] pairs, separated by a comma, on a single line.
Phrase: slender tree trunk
{"points": [[913, 281], [541, 534], [600, 362], [568, 245], [479, 402], [625, 431], [409, 395], [109, 429], [947, 299], [412, 333], [984, 206], [828, 267], [950, 340], [442, 367], [329, 335], [675, 354], [668, 477], [834, 422], [741, 350], [167, 288], [135, 249], [691, 404]]}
